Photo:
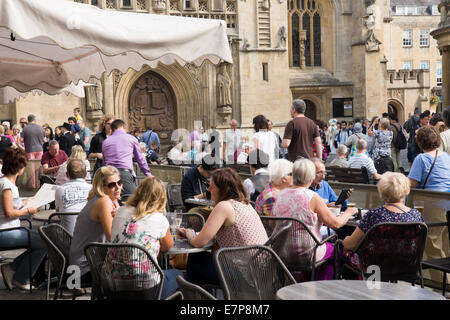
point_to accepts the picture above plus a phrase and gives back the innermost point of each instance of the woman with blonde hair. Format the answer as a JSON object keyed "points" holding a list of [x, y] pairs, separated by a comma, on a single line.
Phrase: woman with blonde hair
{"points": [[95, 149], [16, 137], [95, 220], [392, 188], [142, 221], [79, 154]]}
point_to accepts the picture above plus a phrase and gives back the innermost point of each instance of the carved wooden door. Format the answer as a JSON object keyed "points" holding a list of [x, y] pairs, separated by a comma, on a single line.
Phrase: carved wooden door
{"points": [[152, 103]]}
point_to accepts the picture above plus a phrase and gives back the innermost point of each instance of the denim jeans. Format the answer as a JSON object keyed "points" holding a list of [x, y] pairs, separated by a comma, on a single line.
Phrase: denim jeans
{"points": [[170, 282], [20, 264]]}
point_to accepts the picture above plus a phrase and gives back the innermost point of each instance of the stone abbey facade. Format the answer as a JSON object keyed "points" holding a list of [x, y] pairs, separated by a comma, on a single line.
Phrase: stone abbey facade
{"points": [[345, 58]]}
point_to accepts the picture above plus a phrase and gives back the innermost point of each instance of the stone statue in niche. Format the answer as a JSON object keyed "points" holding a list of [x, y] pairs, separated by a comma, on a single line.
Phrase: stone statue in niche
{"points": [[371, 14], [282, 36], [444, 8], [94, 95], [223, 87]]}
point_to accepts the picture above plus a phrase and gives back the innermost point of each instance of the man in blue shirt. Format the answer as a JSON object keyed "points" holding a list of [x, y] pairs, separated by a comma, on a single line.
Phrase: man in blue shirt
{"points": [[149, 136], [324, 190]]}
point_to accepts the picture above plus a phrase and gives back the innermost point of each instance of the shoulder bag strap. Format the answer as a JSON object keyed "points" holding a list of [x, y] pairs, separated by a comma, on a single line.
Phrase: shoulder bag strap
{"points": [[397, 207], [429, 172]]}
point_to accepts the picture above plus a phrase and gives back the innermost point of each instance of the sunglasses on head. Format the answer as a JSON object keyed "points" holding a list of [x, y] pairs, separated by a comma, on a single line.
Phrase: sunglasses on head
{"points": [[113, 184]]}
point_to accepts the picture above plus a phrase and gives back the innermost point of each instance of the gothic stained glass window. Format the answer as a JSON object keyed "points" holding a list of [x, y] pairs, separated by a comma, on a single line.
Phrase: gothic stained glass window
{"points": [[295, 41], [307, 28], [305, 15], [317, 39]]}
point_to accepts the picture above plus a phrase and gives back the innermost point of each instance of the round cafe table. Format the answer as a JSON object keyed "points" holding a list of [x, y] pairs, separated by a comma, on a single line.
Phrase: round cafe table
{"points": [[200, 202], [182, 246], [355, 290]]}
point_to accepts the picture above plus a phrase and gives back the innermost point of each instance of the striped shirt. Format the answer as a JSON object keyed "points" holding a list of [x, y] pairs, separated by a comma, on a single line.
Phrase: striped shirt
{"points": [[361, 160]]}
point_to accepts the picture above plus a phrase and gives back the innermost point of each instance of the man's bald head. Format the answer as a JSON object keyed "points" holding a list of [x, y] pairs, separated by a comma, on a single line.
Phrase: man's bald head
{"points": [[233, 124]]}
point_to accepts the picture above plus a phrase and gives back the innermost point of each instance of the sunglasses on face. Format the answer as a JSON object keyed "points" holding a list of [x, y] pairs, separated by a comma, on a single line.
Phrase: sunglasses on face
{"points": [[113, 184]]}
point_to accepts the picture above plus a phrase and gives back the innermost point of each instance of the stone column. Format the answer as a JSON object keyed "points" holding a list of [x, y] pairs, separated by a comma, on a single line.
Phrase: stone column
{"points": [[442, 36], [445, 75]]}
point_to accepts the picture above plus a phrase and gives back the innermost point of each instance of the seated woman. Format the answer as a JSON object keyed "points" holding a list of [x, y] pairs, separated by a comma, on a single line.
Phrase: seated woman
{"points": [[142, 222], [95, 220], [280, 172], [429, 141], [17, 273], [307, 206], [77, 153], [392, 188], [233, 223]]}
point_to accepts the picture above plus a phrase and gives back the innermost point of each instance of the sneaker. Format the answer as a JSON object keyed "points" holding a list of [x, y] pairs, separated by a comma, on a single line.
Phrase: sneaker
{"points": [[7, 274], [22, 286]]}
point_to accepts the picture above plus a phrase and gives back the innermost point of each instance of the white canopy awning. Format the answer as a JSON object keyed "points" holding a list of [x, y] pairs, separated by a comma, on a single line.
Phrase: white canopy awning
{"points": [[10, 94], [57, 42]]}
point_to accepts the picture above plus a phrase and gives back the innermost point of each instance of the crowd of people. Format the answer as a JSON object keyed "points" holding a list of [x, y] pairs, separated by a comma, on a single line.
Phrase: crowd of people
{"points": [[288, 180]]}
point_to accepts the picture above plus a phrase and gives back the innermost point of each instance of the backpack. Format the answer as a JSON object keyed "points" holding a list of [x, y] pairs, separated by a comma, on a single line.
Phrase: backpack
{"points": [[384, 164], [400, 142]]}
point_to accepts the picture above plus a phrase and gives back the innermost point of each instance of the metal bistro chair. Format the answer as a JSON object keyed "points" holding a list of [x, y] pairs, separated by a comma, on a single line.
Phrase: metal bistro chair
{"points": [[58, 241], [27, 246], [124, 272], [192, 291], [396, 248], [251, 272], [174, 200], [193, 221], [277, 230], [56, 217], [442, 264], [299, 236]]}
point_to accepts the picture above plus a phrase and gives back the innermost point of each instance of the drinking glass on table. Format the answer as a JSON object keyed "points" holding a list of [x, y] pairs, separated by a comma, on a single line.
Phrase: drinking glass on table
{"points": [[419, 206]]}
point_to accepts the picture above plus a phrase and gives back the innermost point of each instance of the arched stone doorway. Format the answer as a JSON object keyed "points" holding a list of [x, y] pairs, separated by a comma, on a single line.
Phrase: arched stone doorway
{"points": [[152, 104], [310, 110], [396, 108]]}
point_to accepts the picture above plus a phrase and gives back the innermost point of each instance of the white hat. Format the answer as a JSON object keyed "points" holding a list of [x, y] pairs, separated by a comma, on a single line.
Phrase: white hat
{"points": [[247, 145], [332, 121]]}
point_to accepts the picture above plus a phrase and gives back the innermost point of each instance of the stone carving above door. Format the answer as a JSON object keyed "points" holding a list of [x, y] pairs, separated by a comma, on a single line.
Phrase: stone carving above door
{"points": [[152, 103]]}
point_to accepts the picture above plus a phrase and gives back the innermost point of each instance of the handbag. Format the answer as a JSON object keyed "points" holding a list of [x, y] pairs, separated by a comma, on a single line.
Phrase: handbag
{"points": [[429, 172]]}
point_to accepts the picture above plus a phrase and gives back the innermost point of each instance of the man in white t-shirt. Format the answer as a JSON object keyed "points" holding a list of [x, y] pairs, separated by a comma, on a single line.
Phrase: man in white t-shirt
{"points": [[231, 142], [72, 196]]}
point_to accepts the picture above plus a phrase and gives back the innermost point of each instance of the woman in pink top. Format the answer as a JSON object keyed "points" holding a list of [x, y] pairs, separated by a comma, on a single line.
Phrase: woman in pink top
{"points": [[232, 223], [307, 206]]}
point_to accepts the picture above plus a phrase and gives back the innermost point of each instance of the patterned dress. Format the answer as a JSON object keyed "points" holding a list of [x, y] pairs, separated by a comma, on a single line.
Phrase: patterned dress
{"points": [[247, 229], [381, 215], [145, 232], [294, 203], [382, 146]]}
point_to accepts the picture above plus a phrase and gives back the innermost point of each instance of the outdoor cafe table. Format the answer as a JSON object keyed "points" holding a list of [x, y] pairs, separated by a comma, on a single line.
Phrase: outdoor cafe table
{"points": [[182, 246], [200, 202], [355, 290]]}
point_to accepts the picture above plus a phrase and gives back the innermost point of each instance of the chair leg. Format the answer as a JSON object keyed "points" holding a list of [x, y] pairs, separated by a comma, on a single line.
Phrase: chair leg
{"points": [[49, 271], [444, 283], [29, 267]]}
